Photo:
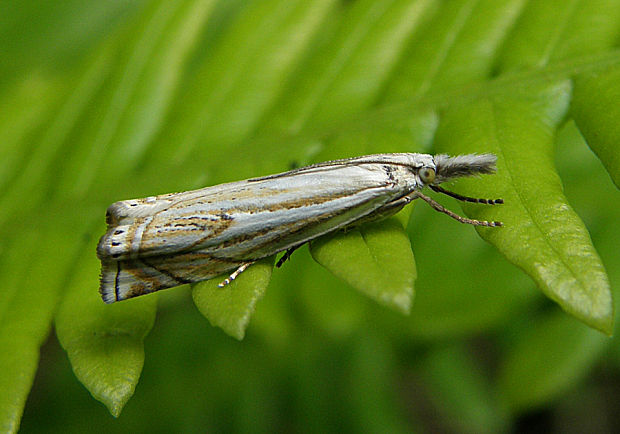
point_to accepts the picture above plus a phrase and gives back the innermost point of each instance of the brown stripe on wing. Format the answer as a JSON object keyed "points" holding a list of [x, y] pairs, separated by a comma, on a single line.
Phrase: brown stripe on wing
{"points": [[211, 224], [286, 236]]}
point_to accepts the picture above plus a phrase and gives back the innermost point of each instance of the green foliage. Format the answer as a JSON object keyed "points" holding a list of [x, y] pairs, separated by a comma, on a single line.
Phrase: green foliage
{"points": [[375, 258], [542, 234], [550, 354], [232, 307], [102, 101], [97, 337], [461, 392], [597, 118]]}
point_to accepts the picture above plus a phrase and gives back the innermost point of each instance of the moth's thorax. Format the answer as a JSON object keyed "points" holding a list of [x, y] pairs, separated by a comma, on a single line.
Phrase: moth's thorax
{"points": [[421, 160], [405, 178], [406, 168]]}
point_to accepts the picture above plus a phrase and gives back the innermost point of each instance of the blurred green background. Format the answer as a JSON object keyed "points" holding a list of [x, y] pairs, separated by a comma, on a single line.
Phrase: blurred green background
{"points": [[103, 101]]}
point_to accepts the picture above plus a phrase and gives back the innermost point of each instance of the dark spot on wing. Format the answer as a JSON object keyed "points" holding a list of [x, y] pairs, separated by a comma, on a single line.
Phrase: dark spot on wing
{"points": [[389, 170]]}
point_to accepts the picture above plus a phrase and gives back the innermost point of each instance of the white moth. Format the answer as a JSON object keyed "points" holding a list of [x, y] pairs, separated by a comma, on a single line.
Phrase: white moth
{"points": [[164, 241]]}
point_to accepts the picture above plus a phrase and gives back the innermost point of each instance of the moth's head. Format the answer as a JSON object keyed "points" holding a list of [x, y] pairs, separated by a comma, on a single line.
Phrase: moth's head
{"points": [[445, 168], [448, 168]]}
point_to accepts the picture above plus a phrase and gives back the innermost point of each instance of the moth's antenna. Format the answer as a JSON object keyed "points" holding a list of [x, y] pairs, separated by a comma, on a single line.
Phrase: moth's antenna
{"points": [[457, 196]]}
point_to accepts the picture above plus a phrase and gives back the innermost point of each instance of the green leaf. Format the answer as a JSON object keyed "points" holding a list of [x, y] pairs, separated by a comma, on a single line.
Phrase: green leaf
{"points": [[50, 37], [390, 129], [570, 29], [542, 234], [25, 315], [172, 33], [29, 296], [275, 321], [232, 306], [370, 40], [549, 357], [23, 111], [105, 343], [39, 168], [596, 111], [375, 258], [349, 64], [150, 53], [464, 287], [239, 79], [457, 46], [328, 305]]}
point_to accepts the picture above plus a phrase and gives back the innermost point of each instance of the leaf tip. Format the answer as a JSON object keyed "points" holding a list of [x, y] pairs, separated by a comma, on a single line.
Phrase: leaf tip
{"points": [[114, 409], [400, 302], [606, 326]]}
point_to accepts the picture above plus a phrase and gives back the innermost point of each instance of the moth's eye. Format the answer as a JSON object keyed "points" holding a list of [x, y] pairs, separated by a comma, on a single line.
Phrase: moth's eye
{"points": [[427, 175]]}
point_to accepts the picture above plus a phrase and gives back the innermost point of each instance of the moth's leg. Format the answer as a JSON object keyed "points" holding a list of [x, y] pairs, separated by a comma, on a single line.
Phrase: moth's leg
{"points": [[394, 206], [287, 255], [437, 207], [235, 273]]}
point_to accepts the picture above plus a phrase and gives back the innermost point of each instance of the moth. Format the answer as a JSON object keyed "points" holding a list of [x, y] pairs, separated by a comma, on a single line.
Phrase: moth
{"points": [[164, 241]]}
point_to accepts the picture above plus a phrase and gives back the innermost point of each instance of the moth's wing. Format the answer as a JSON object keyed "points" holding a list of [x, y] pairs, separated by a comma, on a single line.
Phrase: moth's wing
{"points": [[165, 241], [125, 279], [125, 212], [163, 225], [153, 236], [226, 214]]}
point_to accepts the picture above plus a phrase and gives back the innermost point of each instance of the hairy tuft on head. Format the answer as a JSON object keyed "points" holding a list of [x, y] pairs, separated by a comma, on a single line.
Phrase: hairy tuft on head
{"points": [[448, 168]]}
